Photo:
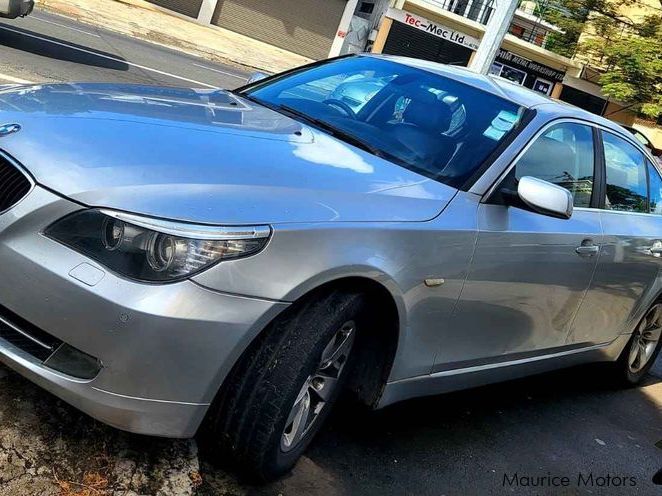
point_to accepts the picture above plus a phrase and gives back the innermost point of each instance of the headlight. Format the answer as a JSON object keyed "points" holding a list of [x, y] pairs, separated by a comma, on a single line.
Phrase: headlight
{"points": [[154, 250]]}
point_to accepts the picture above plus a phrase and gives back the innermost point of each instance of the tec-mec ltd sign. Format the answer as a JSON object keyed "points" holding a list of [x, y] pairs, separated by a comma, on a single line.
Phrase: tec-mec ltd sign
{"points": [[434, 29]]}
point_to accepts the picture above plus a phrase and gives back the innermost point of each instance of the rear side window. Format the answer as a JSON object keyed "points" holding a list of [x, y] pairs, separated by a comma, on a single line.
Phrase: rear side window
{"points": [[655, 190], [563, 155], [627, 188]]}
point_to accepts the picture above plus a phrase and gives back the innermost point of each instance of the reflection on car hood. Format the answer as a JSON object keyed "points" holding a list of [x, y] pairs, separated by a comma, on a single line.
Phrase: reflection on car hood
{"points": [[202, 156]]}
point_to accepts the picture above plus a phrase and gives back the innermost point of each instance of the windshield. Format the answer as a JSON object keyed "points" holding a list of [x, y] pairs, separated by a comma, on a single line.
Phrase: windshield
{"points": [[428, 123]]}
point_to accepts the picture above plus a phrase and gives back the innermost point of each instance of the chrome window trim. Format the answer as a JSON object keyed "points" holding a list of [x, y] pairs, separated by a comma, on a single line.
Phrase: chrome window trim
{"points": [[639, 146], [648, 158], [25, 173], [542, 130], [191, 231], [623, 212]]}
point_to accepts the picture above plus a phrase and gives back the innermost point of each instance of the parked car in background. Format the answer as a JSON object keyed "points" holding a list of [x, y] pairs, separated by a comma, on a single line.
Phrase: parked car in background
{"points": [[15, 8], [175, 259], [643, 139]]}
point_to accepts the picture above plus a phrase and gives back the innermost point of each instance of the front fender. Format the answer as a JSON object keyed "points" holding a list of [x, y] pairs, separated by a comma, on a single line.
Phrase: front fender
{"points": [[399, 256]]}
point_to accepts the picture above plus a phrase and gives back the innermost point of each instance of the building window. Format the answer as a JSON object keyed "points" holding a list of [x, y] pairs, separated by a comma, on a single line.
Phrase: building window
{"points": [[495, 70], [517, 30], [367, 7], [543, 86], [507, 72]]}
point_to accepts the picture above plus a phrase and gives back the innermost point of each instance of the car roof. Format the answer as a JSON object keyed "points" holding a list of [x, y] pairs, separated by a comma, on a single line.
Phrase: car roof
{"points": [[503, 88]]}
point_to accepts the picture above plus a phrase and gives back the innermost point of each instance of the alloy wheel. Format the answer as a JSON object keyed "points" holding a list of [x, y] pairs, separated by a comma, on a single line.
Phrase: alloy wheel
{"points": [[318, 387], [645, 340]]}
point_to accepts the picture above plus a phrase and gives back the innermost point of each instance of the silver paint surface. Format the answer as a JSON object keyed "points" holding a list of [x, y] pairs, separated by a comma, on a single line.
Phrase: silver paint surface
{"points": [[517, 298]]}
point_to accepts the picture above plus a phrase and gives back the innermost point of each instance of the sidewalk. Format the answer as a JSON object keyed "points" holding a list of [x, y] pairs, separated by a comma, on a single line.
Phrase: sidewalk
{"points": [[142, 20]]}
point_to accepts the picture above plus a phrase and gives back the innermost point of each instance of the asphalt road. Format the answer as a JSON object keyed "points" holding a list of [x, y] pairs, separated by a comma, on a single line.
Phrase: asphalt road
{"points": [[570, 424], [48, 48], [566, 424]]}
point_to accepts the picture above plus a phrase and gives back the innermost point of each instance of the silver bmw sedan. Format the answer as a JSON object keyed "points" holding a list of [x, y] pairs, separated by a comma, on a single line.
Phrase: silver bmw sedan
{"points": [[178, 260]]}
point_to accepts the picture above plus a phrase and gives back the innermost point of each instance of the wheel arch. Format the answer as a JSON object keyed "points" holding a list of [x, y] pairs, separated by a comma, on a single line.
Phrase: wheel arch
{"points": [[652, 295], [376, 354]]}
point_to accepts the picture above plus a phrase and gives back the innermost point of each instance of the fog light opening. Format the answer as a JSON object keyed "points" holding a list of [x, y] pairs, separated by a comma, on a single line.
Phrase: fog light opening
{"points": [[73, 362]]}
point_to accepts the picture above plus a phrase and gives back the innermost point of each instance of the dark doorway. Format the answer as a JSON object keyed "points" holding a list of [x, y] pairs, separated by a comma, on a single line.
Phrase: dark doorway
{"points": [[583, 100], [411, 42]]}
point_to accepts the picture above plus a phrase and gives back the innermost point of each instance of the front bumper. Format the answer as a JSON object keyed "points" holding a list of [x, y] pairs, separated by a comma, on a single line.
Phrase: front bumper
{"points": [[164, 349], [15, 8]]}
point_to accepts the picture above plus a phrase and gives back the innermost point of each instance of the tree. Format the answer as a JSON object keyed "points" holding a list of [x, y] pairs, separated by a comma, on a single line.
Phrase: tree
{"points": [[631, 63], [572, 16], [626, 52]]}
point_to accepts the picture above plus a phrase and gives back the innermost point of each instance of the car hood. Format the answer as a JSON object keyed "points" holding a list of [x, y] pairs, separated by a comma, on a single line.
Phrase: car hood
{"points": [[202, 156]]}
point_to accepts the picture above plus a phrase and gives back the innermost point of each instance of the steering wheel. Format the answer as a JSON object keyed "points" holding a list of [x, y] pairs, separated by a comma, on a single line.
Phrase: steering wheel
{"points": [[339, 104]]}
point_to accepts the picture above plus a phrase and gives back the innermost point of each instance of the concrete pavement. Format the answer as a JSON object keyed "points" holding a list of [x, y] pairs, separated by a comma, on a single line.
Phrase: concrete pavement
{"points": [[565, 424]]}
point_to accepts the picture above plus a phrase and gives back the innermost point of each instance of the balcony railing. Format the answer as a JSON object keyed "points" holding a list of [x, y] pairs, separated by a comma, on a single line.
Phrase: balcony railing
{"points": [[476, 10]]}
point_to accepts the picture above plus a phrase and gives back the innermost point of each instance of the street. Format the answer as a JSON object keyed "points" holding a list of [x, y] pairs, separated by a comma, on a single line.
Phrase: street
{"points": [[48, 48], [570, 423]]}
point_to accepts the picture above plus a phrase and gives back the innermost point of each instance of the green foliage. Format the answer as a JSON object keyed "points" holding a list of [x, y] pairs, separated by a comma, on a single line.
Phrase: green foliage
{"points": [[572, 16], [632, 62], [630, 53]]}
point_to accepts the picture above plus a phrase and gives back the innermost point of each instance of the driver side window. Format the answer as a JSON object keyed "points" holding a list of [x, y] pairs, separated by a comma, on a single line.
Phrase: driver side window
{"points": [[564, 155]]}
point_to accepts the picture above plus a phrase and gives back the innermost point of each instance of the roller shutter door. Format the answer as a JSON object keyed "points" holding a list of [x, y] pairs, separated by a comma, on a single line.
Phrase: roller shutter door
{"points": [[411, 42], [189, 8], [306, 27]]}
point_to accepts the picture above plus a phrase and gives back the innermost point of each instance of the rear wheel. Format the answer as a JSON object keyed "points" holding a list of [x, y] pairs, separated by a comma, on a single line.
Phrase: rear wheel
{"points": [[643, 347], [278, 396]]}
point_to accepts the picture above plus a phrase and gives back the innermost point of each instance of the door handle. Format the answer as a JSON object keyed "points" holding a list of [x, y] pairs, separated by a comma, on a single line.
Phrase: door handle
{"points": [[587, 248]]}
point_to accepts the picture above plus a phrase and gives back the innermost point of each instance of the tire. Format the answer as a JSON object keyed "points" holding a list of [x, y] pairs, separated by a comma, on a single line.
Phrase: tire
{"points": [[249, 423], [630, 369]]}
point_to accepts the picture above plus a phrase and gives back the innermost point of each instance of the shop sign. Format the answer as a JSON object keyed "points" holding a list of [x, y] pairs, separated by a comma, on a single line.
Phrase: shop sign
{"points": [[432, 28], [531, 67]]}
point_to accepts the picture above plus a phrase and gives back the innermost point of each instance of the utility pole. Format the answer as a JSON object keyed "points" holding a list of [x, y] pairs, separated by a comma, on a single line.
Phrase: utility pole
{"points": [[496, 31]]}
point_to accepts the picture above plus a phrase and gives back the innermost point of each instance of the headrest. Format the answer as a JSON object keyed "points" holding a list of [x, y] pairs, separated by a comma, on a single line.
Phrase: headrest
{"points": [[546, 157], [426, 111]]}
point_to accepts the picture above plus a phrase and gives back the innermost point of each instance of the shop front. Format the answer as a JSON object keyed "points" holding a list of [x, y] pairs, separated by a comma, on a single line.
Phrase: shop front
{"points": [[189, 8], [446, 41], [411, 35], [315, 29], [306, 27], [525, 72]]}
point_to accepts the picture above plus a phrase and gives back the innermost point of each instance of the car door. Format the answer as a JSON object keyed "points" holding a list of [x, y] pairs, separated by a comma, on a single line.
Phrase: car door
{"points": [[630, 260], [529, 272]]}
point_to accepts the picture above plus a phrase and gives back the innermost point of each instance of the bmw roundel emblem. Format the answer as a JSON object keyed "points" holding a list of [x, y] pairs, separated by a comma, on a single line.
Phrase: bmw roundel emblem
{"points": [[7, 129]]}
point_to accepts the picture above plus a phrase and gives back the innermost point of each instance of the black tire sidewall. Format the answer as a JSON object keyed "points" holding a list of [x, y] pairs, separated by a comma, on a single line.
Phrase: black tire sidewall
{"points": [[278, 461]]}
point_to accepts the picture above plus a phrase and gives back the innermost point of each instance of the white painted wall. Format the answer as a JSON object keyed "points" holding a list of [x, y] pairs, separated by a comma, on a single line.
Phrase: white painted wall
{"points": [[343, 27], [207, 11]]}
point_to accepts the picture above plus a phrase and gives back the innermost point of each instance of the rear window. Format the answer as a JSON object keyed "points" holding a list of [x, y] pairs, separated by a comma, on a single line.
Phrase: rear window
{"points": [[434, 125]]}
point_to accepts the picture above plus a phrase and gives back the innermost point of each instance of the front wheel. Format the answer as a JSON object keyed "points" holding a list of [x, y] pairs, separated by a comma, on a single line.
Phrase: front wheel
{"points": [[279, 394]]}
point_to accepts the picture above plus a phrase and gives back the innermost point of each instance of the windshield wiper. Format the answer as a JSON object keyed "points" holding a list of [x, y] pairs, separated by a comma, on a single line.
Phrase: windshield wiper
{"points": [[331, 129]]}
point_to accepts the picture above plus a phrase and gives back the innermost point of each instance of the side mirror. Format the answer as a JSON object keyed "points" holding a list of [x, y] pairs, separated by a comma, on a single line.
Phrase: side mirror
{"points": [[545, 198], [257, 76]]}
